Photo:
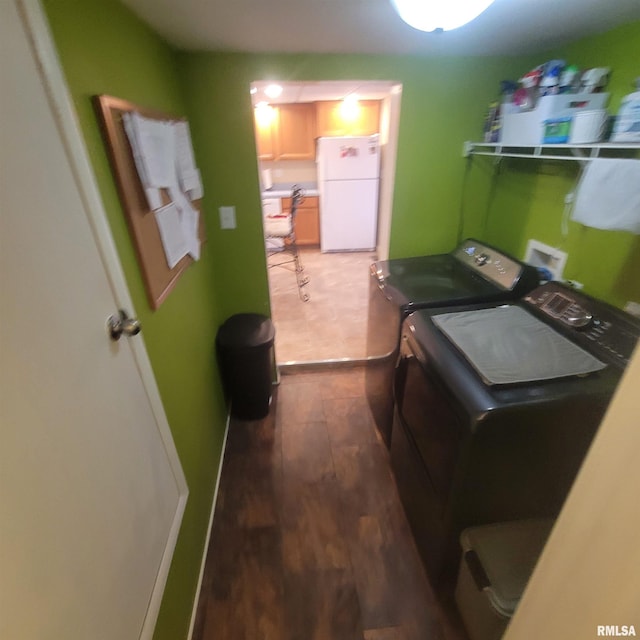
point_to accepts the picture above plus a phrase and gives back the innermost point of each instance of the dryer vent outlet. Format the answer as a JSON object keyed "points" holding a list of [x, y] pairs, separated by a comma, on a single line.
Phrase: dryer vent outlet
{"points": [[542, 255]]}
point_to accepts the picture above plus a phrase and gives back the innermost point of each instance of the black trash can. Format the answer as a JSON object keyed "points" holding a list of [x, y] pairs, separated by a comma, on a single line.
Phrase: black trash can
{"points": [[245, 345]]}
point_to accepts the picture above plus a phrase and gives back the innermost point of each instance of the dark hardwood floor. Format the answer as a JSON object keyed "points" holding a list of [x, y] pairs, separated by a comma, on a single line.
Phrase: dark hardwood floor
{"points": [[309, 539]]}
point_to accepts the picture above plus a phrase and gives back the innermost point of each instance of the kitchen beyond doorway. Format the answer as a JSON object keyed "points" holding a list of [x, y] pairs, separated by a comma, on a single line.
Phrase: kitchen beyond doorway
{"points": [[332, 325]]}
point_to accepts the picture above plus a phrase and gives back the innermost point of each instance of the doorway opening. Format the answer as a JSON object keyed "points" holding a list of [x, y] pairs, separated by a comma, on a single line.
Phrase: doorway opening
{"points": [[290, 118]]}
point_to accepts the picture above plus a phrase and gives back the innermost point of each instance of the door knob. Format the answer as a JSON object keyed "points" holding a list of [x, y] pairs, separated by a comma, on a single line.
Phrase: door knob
{"points": [[122, 324]]}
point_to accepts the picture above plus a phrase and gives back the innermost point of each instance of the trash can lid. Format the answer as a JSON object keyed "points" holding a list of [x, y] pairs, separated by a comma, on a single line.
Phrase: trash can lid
{"points": [[508, 552], [246, 330]]}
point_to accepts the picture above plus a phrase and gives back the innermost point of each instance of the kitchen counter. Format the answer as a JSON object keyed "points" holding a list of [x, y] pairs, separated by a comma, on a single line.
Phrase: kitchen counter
{"points": [[284, 190]]}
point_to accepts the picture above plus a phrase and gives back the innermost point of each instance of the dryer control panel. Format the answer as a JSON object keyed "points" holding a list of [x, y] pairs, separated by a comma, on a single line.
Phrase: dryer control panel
{"points": [[607, 332]]}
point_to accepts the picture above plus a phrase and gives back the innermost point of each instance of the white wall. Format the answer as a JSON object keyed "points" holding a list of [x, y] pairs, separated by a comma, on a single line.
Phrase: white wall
{"points": [[389, 124], [290, 171]]}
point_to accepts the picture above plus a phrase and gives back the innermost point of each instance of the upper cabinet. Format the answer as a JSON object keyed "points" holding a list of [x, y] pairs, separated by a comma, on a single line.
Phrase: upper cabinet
{"points": [[265, 119], [296, 132], [285, 132], [337, 118], [288, 131], [265, 125]]}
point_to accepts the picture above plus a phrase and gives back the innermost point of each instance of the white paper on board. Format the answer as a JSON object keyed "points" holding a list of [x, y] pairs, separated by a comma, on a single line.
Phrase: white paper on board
{"points": [[153, 143], [188, 174], [172, 234], [195, 190], [154, 198], [189, 219]]}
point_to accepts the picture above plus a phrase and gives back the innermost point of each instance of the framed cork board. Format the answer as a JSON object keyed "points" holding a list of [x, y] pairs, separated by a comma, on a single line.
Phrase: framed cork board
{"points": [[159, 278]]}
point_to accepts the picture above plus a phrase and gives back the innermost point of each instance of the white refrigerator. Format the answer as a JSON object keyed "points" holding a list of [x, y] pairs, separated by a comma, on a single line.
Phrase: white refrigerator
{"points": [[348, 174]]}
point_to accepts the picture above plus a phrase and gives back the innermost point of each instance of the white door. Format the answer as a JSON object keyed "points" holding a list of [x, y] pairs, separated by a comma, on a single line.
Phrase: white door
{"points": [[348, 215], [91, 489]]}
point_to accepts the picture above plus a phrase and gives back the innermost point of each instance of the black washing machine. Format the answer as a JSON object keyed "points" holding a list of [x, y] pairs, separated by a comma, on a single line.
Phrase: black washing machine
{"points": [[496, 406], [473, 272]]}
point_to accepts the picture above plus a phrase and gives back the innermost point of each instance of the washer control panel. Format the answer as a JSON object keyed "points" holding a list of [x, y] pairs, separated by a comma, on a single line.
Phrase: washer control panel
{"points": [[605, 331]]}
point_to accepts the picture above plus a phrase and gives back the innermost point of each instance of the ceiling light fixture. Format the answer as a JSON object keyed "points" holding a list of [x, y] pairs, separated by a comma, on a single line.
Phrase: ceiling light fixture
{"points": [[430, 15], [273, 91]]}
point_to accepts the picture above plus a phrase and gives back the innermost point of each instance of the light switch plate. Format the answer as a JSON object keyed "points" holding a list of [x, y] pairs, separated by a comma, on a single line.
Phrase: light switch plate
{"points": [[227, 217]]}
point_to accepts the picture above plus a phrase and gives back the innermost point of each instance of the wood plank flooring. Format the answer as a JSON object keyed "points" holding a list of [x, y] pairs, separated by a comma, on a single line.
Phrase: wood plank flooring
{"points": [[309, 540]]}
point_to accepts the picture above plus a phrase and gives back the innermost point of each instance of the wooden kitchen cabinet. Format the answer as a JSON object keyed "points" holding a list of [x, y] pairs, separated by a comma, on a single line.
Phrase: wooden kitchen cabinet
{"points": [[265, 144], [307, 220], [285, 132], [295, 137], [265, 123], [332, 120]]}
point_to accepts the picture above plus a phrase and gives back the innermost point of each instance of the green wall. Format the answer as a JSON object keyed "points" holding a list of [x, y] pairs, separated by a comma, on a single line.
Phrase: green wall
{"points": [[439, 111], [443, 104], [105, 49], [525, 198]]}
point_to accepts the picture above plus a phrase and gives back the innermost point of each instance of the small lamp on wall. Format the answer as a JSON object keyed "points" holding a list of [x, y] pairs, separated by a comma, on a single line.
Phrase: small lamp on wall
{"points": [[265, 115], [439, 15], [350, 108]]}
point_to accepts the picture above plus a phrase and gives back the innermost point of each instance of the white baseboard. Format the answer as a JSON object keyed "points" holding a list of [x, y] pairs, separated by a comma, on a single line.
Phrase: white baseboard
{"points": [[208, 537]]}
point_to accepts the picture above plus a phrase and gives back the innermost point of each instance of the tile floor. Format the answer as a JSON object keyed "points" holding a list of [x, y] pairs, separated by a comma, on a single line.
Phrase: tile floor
{"points": [[332, 325]]}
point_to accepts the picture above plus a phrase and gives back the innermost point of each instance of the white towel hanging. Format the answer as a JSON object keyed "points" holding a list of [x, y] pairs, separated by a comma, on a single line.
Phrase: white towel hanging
{"points": [[608, 195]]}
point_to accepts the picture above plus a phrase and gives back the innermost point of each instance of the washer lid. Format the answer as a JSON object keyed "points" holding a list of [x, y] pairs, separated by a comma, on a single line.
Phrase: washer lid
{"points": [[432, 281], [507, 345]]}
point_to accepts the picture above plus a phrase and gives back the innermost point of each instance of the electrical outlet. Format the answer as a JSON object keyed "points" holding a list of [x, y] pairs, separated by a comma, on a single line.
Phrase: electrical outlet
{"points": [[227, 217]]}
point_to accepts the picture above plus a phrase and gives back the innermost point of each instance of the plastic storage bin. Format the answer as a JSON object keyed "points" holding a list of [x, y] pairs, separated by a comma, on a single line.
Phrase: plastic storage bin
{"points": [[496, 564], [245, 353], [526, 128]]}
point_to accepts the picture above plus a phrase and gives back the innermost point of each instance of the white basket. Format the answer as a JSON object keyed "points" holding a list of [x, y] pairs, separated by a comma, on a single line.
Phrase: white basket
{"points": [[526, 128]]}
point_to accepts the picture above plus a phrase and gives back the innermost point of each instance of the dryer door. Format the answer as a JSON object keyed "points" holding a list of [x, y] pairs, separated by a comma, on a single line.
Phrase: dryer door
{"points": [[425, 448]]}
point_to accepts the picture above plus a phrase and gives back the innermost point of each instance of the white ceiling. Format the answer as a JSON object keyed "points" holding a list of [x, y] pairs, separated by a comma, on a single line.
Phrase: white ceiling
{"points": [[508, 27]]}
